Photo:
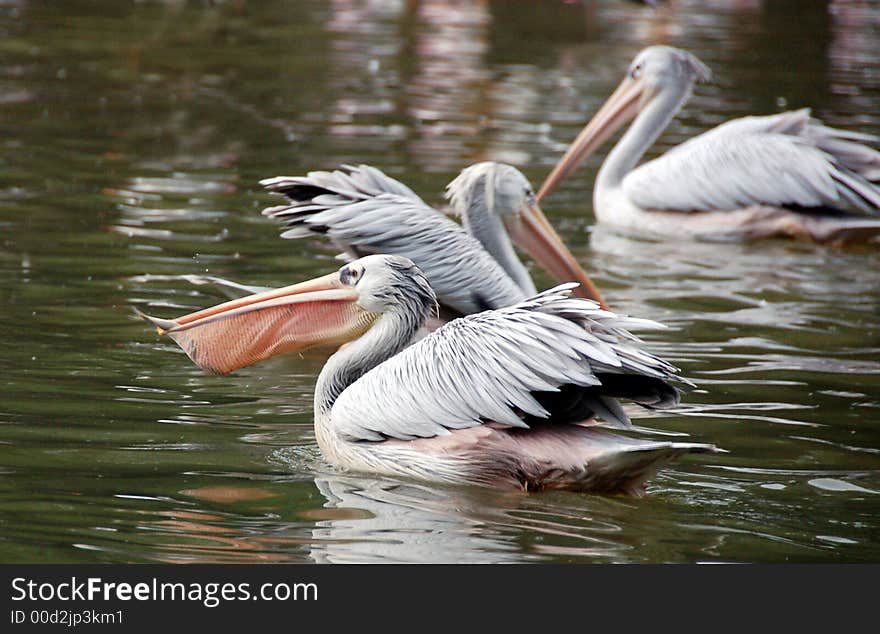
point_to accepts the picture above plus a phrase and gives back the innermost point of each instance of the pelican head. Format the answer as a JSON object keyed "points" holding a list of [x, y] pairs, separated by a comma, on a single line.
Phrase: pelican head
{"points": [[657, 74], [495, 188], [327, 311], [385, 283], [664, 67], [497, 204]]}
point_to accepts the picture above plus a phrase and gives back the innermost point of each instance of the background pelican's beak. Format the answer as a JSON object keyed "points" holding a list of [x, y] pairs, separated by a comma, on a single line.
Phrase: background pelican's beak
{"points": [[620, 108], [534, 233], [232, 335]]}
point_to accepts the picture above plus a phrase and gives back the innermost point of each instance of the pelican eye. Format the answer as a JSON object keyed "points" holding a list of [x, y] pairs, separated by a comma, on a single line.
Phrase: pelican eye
{"points": [[350, 275], [636, 71]]}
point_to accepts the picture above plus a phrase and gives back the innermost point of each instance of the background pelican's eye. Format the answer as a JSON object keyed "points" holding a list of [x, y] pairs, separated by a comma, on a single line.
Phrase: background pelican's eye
{"points": [[635, 71]]}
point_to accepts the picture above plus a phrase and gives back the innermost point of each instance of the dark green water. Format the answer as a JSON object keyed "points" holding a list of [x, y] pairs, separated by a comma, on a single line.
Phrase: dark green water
{"points": [[132, 137]]}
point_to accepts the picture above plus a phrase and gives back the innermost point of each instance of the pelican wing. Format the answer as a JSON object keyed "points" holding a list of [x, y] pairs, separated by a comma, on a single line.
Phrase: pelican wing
{"points": [[498, 366], [364, 212], [355, 182], [785, 160], [846, 147], [793, 122]]}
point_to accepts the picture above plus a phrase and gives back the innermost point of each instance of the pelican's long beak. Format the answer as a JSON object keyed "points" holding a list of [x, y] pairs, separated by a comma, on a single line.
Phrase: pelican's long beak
{"points": [[619, 109], [534, 233], [232, 335]]}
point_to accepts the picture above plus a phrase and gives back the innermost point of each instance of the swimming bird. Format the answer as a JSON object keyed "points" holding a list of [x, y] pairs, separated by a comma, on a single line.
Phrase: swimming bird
{"points": [[755, 177], [504, 398], [471, 267]]}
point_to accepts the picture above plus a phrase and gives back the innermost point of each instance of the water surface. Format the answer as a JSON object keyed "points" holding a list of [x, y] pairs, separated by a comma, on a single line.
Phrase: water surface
{"points": [[132, 137]]}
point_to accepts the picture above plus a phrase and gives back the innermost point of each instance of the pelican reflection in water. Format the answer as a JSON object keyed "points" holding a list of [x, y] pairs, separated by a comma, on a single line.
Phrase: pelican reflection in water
{"points": [[754, 177], [505, 398]]}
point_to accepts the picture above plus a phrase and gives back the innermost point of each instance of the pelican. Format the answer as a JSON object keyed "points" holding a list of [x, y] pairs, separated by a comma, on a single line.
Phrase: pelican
{"points": [[754, 177], [472, 268], [502, 398]]}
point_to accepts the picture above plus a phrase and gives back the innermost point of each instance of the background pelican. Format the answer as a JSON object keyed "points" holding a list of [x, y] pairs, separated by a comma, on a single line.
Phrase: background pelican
{"points": [[501, 398], [364, 211], [777, 175]]}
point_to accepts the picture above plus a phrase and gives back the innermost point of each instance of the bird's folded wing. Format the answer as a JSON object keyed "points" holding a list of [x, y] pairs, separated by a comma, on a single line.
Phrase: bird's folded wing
{"points": [[739, 165], [487, 367], [354, 183], [363, 213]]}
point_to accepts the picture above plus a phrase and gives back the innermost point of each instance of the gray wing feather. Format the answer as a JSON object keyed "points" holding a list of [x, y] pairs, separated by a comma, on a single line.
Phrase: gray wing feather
{"points": [[363, 211], [779, 160], [489, 367], [847, 147]]}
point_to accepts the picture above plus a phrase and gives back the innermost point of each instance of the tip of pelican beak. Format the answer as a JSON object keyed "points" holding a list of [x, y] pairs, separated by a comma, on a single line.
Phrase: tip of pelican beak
{"points": [[162, 325]]}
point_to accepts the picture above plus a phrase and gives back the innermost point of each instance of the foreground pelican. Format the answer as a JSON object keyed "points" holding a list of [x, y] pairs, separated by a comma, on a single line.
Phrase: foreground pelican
{"points": [[501, 398], [471, 268], [755, 177]]}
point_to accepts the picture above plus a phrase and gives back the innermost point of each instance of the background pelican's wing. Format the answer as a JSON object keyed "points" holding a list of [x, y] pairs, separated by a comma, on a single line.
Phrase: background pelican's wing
{"points": [[785, 160], [507, 366], [353, 183], [363, 212], [846, 147], [792, 122]]}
